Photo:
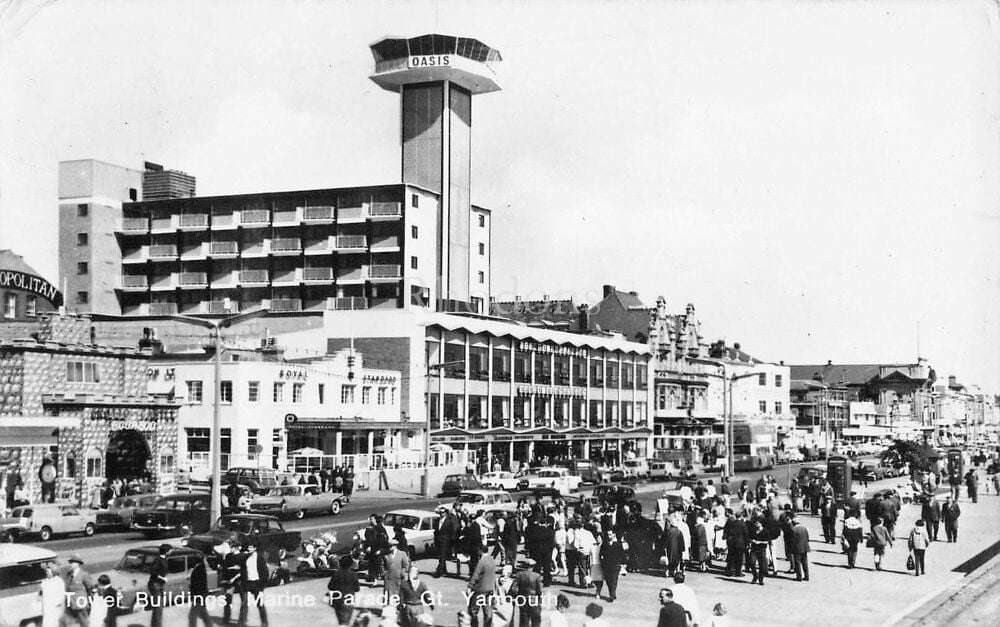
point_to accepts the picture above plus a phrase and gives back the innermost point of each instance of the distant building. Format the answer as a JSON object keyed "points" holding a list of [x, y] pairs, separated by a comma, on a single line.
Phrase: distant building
{"points": [[160, 184], [24, 296]]}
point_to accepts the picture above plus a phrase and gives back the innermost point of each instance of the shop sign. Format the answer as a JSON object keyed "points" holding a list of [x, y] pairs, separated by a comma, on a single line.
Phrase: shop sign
{"points": [[292, 374], [137, 425], [31, 283], [154, 373], [428, 60]]}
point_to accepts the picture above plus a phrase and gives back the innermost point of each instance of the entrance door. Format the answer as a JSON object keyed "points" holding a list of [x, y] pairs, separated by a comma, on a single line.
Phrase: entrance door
{"points": [[128, 455]]}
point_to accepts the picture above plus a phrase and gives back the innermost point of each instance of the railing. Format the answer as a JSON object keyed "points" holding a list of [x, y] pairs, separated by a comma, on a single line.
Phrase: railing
{"points": [[193, 219], [162, 250], [193, 251], [385, 209], [162, 309], [286, 304], [201, 462], [351, 241], [255, 216], [253, 276], [387, 241], [286, 244], [221, 307], [317, 213], [193, 278], [134, 280], [384, 271], [350, 213], [317, 274], [135, 224], [347, 303], [224, 248], [162, 224], [285, 217]]}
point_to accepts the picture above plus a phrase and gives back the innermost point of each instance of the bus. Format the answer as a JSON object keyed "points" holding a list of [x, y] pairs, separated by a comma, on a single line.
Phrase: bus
{"points": [[755, 445]]}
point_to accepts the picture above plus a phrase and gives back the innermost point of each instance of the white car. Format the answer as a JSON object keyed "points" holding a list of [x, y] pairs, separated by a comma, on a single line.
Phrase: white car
{"points": [[554, 481], [500, 480], [636, 468], [418, 526], [475, 500]]}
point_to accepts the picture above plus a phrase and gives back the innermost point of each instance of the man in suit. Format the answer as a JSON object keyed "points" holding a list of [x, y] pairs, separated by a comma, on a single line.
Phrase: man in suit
{"points": [[199, 592], [612, 556], [671, 613], [444, 540], [672, 542], [852, 506], [376, 543], [949, 514], [344, 587], [112, 601], [396, 565], [157, 581], [930, 512], [874, 510], [891, 514], [800, 548], [735, 535], [255, 574], [527, 592], [481, 585]]}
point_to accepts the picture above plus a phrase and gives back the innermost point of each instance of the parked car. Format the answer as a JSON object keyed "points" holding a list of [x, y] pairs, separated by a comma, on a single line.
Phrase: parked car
{"points": [[613, 494], [475, 500], [454, 484], [21, 572], [524, 477], [131, 574], [175, 514], [554, 481], [119, 512], [499, 479], [791, 456], [660, 470], [46, 520], [297, 501], [585, 469], [267, 531], [613, 474], [418, 527], [638, 468], [260, 480]]}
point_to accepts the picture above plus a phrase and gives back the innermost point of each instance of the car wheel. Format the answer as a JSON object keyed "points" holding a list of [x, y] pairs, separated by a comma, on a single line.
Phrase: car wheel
{"points": [[88, 530], [300, 514], [45, 533], [335, 507]]}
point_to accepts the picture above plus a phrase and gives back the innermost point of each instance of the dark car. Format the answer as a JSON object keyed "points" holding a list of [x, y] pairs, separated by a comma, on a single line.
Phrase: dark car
{"points": [[176, 514], [613, 494], [119, 512], [454, 484], [267, 531], [259, 480]]}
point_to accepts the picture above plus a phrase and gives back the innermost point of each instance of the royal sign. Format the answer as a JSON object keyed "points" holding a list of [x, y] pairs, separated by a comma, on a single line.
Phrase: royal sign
{"points": [[429, 60], [31, 283]]}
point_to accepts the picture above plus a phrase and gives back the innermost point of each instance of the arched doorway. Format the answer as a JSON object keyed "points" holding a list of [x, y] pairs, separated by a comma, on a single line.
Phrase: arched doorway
{"points": [[128, 454]]}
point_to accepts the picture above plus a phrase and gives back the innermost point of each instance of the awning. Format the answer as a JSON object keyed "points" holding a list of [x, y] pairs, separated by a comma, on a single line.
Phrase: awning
{"points": [[27, 436]]}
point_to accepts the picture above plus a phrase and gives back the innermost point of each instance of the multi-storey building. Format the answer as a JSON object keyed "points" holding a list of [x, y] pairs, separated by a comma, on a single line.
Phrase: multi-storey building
{"points": [[23, 296]]}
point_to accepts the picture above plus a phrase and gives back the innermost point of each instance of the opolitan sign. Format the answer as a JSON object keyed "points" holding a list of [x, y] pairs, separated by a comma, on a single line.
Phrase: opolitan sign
{"points": [[428, 60], [31, 283]]}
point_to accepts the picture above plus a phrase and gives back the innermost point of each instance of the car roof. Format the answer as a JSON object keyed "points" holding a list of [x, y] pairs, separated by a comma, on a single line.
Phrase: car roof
{"points": [[419, 513], [250, 516], [44, 506], [483, 492], [11, 554], [186, 496], [155, 550]]}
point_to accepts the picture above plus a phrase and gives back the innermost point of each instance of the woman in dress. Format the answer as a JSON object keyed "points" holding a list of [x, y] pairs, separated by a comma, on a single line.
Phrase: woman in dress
{"points": [[699, 539], [503, 601], [596, 571], [53, 594]]}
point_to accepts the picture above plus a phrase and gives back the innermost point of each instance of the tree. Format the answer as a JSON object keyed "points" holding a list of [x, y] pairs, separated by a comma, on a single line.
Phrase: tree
{"points": [[919, 456]]}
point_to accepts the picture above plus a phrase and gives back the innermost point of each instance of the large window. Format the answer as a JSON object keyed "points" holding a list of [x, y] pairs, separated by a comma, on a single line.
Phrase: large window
{"points": [[777, 380], [10, 306], [640, 376], [543, 369], [501, 364], [762, 406], [777, 407], [366, 395], [253, 391], [612, 372], [195, 392], [226, 392], [95, 464], [30, 306], [562, 370], [522, 373], [596, 373], [347, 394], [478, 363], [297, 392], [454, 410], [278, 394], [83, 372], [454, 358], [198, 440], [381, 396], [252, 437]]}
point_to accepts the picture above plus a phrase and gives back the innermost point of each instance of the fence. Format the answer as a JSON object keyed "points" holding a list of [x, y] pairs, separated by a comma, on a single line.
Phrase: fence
{"points": [[200, 463]]}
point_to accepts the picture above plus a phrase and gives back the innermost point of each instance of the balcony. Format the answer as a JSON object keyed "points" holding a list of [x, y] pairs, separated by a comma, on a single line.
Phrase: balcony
{"points": [[163, 251], [135, 282], [384, 271], [385, 210], [351, 275], [162, 225], [253, 277], [351, 214], [222, 279], [162, 282], [346, 303], [255, 217], [193, 221], [316, 214], [286, 246], [135, 225], [223, 249], [197, 251], [223, 221], [286, 217], [285, 277], [286, 304], [220, 307], [192, 279], [357, 243], [317, 274], [255, 248], [383, 303], [139, 255], [388, 243], [317, 246], [162, 309]]}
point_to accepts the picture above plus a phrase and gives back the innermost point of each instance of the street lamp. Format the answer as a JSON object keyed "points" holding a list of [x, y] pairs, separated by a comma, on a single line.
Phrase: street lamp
{"points": [[727, 408]]}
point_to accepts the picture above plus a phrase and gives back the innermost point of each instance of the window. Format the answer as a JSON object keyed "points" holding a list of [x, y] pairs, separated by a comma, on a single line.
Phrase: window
{"points": [[225, 391], [777, 380], [297, 392], [321, 391], [133, 194], [482, 220], [366, 395], [95, 464], [414, 232], [414, 200], [346, 394], [762, 406], [762, 378], [253, 391], [82, 210], [226, 441], [194, 389], [279, 392], [413, 262], [10, 306], [166, 461], [482, 249], [81, 267], [82, 372], [381, 396], [482, 276], [252, 443], [31, 306], [777, 407], [81, 239], [198, 440], [82, 298]]}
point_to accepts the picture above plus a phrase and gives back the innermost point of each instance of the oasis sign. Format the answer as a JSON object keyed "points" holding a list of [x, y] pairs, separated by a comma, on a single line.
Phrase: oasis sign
{"points": [[31, 283], [428, 60]]}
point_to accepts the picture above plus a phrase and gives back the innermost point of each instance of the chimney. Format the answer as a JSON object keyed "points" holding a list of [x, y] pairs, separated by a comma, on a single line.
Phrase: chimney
{"points": [[829, 362], [633, 293], [609, 290], [736, 346], [583, 320], [781, 363], [952, 382]]}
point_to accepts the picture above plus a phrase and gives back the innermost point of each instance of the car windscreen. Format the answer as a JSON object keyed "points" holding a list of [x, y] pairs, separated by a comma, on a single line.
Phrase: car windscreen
{"points": [[137, 561], [402, 520], [469, 498], [549, 473], [232, 523], [284, 491], [177, 504]]}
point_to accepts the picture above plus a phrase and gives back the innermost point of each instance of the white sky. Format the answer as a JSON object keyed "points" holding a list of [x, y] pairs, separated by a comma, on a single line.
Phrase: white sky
{"points": [[816, 177]]}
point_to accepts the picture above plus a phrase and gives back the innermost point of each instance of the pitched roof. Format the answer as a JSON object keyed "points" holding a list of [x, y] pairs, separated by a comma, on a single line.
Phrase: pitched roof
{"points": [[628, 300], [851, 374], [9, 260]]}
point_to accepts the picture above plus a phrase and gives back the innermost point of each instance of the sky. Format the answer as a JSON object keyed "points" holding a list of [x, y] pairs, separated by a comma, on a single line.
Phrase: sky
{"points": [[820, 179]]}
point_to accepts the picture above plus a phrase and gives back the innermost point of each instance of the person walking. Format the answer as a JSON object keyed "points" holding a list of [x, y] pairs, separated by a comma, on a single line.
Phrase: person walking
{"points": [[415, 600], [851, 537], [255, 574], [684, 595], [930, 512], [612, 557], [918, 543], [699, 542], [828, 518], [759, 540], [527, 592], [671, 612], [972, 485], [198, 587], [230, 577], [950, 512], [396, 565], [672, 546], [736, 537], [52, 593], [800, 546], [343, 588], [79, 587], [376, 544], [444, 540], [878, 540], [482, 584], [156, 584]]}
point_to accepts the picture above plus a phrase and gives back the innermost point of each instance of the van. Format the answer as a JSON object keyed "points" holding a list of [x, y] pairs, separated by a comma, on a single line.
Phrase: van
{"points": [[659, 470], [46, 520], [638, 468], [21, 572]]}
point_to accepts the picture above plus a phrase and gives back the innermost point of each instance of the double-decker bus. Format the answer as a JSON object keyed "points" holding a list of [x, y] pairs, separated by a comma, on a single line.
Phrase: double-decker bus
{"points": [[754, 445]]}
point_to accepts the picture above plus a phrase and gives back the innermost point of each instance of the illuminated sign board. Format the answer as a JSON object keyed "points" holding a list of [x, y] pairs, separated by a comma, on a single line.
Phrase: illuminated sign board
{"points": [[428, 60], [31, 283]]}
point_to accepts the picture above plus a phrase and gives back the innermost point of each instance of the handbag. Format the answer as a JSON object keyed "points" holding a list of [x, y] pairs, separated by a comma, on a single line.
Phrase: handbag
{"points": [[870, 542], [911, 564]]}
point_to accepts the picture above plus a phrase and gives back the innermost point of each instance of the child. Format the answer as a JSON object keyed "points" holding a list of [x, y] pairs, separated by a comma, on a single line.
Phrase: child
{"points": [[719, 618]]}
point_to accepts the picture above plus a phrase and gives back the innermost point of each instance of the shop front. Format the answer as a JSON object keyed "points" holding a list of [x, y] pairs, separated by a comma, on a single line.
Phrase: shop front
{"points": [[320, 442]]}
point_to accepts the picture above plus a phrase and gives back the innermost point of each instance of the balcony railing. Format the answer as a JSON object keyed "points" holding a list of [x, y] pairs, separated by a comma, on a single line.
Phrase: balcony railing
{"points": [[255, 216], [286, 217], [193, 219], [193, 279], [221, 307], [135, 280], [289, 244], [384, 271], [285, 276], [286, 304], [135, 224], [195, 251], [162, 309], [347, 303], [317, 274], [380, 209], [160, 251], [253, 276], [351, 241], [222, 220], [224, 248], [317, 213]]}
